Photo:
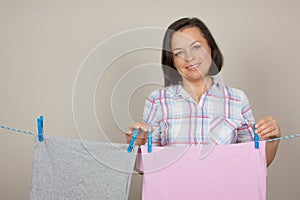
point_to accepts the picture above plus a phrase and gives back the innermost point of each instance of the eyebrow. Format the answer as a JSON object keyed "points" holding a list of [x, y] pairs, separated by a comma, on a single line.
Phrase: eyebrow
{"points": [[189, 45]]}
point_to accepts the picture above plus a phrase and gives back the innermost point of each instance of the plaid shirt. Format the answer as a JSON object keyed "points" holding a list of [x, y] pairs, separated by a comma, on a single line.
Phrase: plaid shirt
{"points": [[222, 114]]}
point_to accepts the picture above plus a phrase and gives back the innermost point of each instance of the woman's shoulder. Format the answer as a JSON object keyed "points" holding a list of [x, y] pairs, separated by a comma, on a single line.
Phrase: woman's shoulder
{"points": [[221, 90], [234, 93], [165, 92]]}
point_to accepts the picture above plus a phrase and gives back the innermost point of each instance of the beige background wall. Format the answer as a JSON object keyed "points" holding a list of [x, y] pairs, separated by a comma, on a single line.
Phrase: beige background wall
{"points": [[43, 43]]}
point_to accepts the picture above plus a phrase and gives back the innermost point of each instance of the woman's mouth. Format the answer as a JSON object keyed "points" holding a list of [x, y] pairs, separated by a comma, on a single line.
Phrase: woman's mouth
{"points": [[193, 67]]}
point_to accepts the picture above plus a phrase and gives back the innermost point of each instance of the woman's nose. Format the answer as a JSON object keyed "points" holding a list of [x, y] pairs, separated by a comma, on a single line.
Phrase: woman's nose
{"points": [[189, 56]]}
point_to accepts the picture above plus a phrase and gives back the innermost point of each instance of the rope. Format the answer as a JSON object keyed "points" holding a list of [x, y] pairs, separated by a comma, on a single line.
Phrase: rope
{"points": [[17, 130], [284, 137], [31, 133]]}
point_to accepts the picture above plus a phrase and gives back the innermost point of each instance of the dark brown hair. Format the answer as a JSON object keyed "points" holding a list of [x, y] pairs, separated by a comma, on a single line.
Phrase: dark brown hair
{"points": [[171, 76]]}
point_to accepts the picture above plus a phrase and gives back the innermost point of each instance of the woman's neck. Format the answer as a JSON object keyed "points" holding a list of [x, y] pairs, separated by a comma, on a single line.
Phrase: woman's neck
{"points": [[197, 88]]}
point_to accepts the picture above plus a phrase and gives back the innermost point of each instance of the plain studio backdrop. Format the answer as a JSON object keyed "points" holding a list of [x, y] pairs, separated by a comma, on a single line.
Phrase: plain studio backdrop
{"points": [[43, 45]]}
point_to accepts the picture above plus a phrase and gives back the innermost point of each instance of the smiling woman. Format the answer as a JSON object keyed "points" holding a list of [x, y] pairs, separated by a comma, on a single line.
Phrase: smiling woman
{"points": [[194, 108], [191, 54], [199, 33]]}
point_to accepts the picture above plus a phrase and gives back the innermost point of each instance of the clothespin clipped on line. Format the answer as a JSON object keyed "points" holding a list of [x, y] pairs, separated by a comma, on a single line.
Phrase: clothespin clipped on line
{"points": [[131, 144], [256, 137], [150, 142], [40, 124]]}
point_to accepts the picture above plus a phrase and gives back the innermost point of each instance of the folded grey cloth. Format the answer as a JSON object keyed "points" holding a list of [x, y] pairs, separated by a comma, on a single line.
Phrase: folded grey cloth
{"points": [[72, 169]]}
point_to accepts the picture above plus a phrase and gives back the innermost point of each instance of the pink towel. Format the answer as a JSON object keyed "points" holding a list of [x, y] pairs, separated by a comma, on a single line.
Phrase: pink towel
{"points": [[235, 172]]}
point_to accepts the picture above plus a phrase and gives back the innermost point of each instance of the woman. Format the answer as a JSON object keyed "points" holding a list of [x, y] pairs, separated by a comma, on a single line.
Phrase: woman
{"points": [[194, 108]]}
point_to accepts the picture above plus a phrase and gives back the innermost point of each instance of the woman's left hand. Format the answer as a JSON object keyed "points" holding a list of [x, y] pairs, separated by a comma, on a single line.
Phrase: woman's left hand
{"points": [[268, 128]]}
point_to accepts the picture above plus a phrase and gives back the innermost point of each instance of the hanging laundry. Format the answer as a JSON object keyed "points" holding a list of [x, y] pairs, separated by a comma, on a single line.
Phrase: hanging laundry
{"points": [[235, 171], [75, 169]]}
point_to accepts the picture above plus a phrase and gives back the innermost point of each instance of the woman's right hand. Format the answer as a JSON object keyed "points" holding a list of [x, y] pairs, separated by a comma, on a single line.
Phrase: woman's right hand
{"points": [[142, 137]]}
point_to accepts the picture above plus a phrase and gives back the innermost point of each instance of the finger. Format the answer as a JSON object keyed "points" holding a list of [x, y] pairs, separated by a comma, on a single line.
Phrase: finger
{"points": [[139, 125], [275, 124], [128, 132], [128, 139], [134, 126], [271, 135], [140, 141], [265, 131], [137, 142], [263, 121], [143, 135], [144, 141], [131, 131], [261, 128], [264, 126]]}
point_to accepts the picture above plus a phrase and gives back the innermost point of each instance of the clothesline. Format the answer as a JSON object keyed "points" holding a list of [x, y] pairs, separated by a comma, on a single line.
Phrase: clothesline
{"points": [[17, 130], [66, 180], [284, 137], [31, 133]]}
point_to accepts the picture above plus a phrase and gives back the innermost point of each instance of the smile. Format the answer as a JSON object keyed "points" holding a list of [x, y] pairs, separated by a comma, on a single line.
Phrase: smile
{"points": [[193, 66]]}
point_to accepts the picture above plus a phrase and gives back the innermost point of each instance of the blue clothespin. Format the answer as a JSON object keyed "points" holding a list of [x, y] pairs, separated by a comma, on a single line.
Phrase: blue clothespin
{"points": [[149, 142], [131, 144], [40, 124], [256, 138]]}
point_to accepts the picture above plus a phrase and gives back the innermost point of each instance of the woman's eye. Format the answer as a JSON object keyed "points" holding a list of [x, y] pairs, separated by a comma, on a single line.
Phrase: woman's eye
{"points": [[196, 47], [178, 53]]}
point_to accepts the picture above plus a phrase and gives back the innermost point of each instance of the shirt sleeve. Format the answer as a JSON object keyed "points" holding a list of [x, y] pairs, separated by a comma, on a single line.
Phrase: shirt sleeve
{"points": [[245, 132], [152, 116]]}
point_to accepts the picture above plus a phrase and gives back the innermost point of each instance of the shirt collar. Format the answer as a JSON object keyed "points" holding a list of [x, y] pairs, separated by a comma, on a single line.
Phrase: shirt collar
{"points": [[179, 91]]}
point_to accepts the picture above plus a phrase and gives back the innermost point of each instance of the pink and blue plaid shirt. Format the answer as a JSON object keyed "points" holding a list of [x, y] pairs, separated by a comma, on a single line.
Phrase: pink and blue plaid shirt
{"points": [[222, 114]]}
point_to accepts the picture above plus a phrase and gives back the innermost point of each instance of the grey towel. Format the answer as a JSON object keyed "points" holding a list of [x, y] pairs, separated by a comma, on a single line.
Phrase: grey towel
{"points": [[72, 169]]}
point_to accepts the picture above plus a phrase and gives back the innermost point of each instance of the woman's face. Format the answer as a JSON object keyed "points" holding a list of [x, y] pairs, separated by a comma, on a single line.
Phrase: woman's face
{"points": [[191, 54]]}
